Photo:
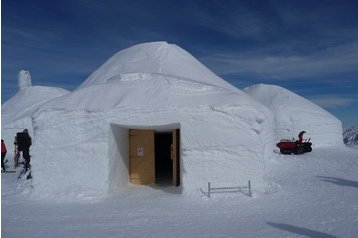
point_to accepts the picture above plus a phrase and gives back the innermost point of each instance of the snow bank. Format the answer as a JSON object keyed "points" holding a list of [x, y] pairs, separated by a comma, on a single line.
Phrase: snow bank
{"points": [[294, 113]]}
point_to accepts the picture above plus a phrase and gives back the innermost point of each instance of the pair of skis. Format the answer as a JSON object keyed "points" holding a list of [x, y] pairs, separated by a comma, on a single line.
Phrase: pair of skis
{"points": [[24, 172]]}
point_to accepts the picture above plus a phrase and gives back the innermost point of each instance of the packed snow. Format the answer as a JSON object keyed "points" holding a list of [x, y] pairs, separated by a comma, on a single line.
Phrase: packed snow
{"points": [[80, 156]]}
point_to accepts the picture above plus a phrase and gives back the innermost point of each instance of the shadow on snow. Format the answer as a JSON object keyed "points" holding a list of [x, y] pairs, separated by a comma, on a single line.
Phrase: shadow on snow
{"points": [[339, 181], [300, 231]]}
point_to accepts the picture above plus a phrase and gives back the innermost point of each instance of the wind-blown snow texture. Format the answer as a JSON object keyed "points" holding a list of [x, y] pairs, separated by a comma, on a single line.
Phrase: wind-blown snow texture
{"points": [[80, 142]]}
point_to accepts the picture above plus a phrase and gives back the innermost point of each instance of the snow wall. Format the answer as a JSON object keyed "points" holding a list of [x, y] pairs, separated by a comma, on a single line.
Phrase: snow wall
{"points": [[294, 113]]}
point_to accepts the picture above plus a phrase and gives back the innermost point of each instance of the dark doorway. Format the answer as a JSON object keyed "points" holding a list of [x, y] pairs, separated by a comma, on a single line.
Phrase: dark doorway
{"points": [[163, 161]]}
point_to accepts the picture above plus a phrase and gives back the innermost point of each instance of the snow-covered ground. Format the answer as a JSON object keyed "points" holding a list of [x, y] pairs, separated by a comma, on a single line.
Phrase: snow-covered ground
{"points": [[309, 195]]}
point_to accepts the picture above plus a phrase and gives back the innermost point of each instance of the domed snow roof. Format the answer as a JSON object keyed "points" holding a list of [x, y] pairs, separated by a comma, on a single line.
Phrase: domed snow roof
{"points": [[294, 113], [148, 91], [28, 100], [158, 58]]}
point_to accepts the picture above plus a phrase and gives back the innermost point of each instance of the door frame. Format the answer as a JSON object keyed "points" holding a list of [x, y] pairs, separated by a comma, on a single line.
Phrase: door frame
{"points": [[175, 150]]}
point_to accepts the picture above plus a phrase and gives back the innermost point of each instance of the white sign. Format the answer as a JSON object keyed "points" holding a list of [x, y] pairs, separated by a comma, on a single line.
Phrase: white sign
{"points": [[140, 151]]}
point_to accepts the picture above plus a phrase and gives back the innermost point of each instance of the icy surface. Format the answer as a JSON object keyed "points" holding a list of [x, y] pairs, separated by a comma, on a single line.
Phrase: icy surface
{"points": [[294, 113]]}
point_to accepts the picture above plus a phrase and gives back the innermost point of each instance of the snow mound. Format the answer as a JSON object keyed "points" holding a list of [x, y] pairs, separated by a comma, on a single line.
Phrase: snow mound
{"points": [[158, 58], [294, 113], [28, 100]]}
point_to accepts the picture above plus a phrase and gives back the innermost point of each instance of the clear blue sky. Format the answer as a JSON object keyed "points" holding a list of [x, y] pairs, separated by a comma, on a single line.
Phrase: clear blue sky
{"points": [[309, 47]]}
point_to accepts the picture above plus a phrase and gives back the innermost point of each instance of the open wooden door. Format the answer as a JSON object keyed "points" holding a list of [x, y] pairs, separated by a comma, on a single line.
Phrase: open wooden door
{"points": [[174, 154], [141, 157]]}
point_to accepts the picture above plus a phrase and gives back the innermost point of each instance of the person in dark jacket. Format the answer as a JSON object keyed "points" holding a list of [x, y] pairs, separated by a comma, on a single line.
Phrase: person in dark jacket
{"points": [[3, 154], [23, 144], [300, 136]]}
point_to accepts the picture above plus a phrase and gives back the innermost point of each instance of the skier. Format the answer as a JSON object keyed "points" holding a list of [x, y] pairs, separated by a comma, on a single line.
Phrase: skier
{"points": [[23, 144], [3, 154]]}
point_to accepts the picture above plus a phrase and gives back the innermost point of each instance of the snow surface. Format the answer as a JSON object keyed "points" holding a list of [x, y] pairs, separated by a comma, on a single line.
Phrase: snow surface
{"points": [[294, 113], [309, 195]]}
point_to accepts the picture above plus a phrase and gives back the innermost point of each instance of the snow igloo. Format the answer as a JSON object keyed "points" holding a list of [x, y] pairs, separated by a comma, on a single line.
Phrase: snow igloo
{"points": [[151, 115]]}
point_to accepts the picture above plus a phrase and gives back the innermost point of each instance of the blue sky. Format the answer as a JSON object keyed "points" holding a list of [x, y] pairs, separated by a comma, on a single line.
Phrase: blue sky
{"points": [[309, 47]]}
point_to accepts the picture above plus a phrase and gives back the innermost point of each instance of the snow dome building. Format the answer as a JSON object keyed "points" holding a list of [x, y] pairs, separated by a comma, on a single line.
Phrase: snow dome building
{"points": [[154, 115], [151, 114]]}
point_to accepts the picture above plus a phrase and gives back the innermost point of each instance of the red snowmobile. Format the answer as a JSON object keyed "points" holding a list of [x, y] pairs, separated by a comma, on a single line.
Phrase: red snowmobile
{"points": [[297, 147]]}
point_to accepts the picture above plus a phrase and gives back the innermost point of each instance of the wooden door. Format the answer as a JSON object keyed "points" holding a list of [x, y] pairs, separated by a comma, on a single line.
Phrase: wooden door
{"points": [[141, 157], [174, 154]]}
